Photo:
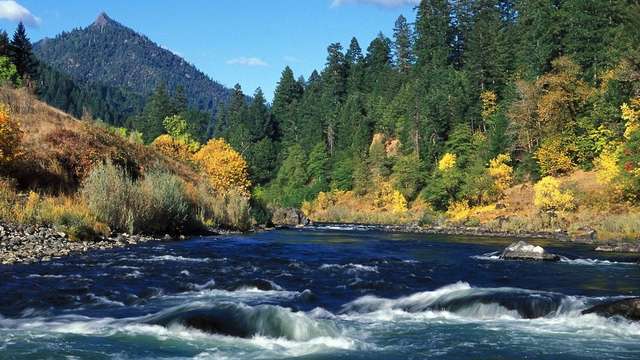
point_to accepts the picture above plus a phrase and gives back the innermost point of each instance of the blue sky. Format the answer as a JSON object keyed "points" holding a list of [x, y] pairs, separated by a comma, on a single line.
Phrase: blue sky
{"points": [[233, 41]]}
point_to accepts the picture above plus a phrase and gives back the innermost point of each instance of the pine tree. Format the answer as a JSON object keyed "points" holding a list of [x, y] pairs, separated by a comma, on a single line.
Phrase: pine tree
{"points": [[4, 44], [287, 94], [433, 34], [159, 107], [403, 45], [354, 53], [22, 53]]}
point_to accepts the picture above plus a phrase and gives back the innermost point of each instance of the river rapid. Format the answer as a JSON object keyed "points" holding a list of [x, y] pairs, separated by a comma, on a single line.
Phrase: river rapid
{"points": [[318, 293]]}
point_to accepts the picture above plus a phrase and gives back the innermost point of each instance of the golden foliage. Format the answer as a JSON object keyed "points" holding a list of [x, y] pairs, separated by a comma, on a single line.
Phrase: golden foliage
{"points": [[447, 162], [10, 136], [549, 197], [459, 211], [174, 148], [225, 168], [386, 197], [607, 169], [488, 99], [552, 157], [501, 172], [631, 115]]}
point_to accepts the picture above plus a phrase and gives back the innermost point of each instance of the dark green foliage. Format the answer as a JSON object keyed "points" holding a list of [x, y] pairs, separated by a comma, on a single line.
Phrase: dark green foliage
{"points": [[21, 53], [113, 55]]}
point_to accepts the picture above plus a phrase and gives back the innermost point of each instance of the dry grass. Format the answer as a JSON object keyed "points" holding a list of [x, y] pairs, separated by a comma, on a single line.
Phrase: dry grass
{"points": [[60, 150]]}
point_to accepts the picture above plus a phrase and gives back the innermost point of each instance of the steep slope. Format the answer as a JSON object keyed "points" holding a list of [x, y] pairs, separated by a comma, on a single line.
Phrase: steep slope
{"points": [[111, 54]]}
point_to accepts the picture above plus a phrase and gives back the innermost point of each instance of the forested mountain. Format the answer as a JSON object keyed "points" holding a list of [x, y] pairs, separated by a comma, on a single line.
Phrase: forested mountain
{"points": [[114, 60], [534, 85]]}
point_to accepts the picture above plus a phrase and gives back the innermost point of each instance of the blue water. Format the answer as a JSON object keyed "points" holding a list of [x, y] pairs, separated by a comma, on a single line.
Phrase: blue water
{"points": [[319, 293]]}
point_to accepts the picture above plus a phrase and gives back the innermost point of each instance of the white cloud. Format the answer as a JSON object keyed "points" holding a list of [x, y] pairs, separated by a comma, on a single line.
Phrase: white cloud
{"points": [[247, 61], [13, 11], [384, 3]]}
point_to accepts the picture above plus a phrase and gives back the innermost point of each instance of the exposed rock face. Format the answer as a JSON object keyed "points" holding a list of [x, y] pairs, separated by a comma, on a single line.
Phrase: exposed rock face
{"points": [[627, 308], [289, 217], [524, 251]]}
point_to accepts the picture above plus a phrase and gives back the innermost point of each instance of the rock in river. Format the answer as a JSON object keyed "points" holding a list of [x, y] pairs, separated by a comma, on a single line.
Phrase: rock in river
{"points": [[524, 251], [627, 308]]}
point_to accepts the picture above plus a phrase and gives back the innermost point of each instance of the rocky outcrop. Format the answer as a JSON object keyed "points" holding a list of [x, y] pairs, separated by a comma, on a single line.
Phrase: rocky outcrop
{"points": [[620, 247], [26, 244], [289, 217], [524, 251], [584, 235], [627, 308]]}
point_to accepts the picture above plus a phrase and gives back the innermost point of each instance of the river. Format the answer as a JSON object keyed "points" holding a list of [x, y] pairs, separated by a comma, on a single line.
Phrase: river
{"points": [[318, 293]]}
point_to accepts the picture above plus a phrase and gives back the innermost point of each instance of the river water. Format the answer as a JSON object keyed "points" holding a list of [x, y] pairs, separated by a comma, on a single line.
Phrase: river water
{"points": [[320, 293]]}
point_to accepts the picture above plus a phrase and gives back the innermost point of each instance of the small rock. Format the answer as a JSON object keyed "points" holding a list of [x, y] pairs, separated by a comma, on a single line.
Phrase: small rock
{"points": [[522, 250]]}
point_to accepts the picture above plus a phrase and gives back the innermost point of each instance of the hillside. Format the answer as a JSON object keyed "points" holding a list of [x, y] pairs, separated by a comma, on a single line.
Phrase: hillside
{"points": [[111, 54]]}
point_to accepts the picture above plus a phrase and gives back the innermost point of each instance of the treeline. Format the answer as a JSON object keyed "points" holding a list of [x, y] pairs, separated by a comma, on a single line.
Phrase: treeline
{"points": [[541, 83], [20, 67]]}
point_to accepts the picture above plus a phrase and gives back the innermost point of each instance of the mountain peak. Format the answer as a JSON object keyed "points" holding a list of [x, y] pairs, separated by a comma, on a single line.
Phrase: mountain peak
{"points": [[102, 19]]}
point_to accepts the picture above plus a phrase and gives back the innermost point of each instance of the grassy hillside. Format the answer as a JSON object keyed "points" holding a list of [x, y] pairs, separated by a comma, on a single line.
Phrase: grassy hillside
{"points": [[90, 179]]}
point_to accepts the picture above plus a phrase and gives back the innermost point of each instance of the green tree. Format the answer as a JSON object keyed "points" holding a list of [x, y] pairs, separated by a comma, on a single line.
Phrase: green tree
{"points": [[403, 45], [22, 53], [8, 72]]}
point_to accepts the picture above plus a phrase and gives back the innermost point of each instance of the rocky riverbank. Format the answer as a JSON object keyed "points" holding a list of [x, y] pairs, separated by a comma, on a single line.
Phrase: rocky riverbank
{"points": [[584, 236], [27, 243]]}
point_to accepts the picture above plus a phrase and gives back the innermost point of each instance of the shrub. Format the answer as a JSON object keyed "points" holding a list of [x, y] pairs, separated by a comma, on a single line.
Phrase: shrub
{"points": [[173, 148], [112, 196], [229, 210], [549, 197], [501, 172], [8, 72], [606, 166], [552, 158], [8, 199], [10, 136], [165, 203], [225, 168], [157, 204], [72, 217]]}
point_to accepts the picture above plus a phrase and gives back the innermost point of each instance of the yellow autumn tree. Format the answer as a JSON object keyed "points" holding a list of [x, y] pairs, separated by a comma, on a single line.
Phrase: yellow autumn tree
{"points": [[552, 157], [549, 197], [501, 172], [225, 168], [489, 107], [631, 115], [173, 148], [606, 166], [10, 136], [447, 162]]}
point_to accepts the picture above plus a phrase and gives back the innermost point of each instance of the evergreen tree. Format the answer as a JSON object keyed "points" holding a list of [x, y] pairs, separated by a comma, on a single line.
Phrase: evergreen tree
{"points": [[4, 44], [22, 54], [287, 94], [433, 34], [354, 53], [403, 45], [159, 107]]}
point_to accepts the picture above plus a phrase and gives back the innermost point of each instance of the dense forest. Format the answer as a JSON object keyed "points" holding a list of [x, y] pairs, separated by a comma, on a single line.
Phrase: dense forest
{"points": [[444, 116], [533, 87]]}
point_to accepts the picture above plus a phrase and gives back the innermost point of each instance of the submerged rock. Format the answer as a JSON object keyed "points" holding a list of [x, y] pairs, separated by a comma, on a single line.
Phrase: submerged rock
{"points": [[522, 250], [627, 308]]}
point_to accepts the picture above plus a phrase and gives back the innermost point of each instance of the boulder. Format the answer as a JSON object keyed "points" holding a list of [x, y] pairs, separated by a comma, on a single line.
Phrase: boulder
{"points": [[289, 217], [585, 234], [621, 247], [627, 308], [522, 250]]}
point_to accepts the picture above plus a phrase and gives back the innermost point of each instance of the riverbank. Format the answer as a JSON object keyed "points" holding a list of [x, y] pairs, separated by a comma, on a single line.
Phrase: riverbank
{"points": [[28, 243], [586, 236]]}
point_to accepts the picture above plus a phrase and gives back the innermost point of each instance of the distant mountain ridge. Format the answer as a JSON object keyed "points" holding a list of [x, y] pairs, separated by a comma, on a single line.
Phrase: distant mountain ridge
{"points": [[111, 54]]}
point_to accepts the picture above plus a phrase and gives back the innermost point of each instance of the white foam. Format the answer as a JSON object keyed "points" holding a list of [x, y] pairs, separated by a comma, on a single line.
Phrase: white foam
{"points": [[176, 258], [592, 262], [351, 268]]}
